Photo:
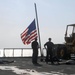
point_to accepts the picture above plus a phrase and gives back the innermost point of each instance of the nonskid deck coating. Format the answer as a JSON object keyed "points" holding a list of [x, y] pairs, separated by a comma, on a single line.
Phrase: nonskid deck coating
{"points": [[24, 66]]}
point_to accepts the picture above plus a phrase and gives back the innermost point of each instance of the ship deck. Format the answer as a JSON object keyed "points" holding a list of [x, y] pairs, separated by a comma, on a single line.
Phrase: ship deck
{"points": [[24, 66]]}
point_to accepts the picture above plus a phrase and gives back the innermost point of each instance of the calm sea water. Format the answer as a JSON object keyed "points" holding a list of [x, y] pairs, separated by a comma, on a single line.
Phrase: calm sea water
{"points": [[18, 52]]}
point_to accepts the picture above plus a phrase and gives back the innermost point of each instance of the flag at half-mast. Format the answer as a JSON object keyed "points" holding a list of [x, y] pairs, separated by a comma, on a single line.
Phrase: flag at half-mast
{"points": [[29, 34]]}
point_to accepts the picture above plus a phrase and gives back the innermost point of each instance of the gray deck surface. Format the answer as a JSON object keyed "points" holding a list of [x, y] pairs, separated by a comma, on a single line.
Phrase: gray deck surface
{"points": [[25, 64]]}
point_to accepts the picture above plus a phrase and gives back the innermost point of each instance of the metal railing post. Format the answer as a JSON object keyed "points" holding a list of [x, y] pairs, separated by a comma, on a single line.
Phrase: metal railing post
{"points": [[4, 52], [21, 52], [13, 52]]}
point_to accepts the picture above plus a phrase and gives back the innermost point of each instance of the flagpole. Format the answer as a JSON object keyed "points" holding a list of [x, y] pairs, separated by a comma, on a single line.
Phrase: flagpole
{"points": [[38, 28]]}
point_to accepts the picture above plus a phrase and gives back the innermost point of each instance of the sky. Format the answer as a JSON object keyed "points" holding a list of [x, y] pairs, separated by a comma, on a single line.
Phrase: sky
{"points": [[53, 17]]}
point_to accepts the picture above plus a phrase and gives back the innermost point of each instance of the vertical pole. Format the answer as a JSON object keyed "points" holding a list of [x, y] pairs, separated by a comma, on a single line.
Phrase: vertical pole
{"points": [[4, 52], [38, 27], [13, 52], [21, 52]]}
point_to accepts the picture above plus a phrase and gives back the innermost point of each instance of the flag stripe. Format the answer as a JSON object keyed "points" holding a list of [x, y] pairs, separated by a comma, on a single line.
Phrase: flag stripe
{"points": [[31, 37], [24, 33], [29, 34]]}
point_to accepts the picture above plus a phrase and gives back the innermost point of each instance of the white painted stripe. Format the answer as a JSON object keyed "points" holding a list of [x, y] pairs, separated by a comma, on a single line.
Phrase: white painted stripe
{"points": [[28, 71]]}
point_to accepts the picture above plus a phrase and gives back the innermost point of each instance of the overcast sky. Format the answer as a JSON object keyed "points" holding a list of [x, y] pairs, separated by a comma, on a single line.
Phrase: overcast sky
{"points": [[16, 15]]}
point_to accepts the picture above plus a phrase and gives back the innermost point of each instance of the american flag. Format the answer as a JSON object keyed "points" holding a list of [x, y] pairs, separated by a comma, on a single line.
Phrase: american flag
{"points": [[29, 34]]}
